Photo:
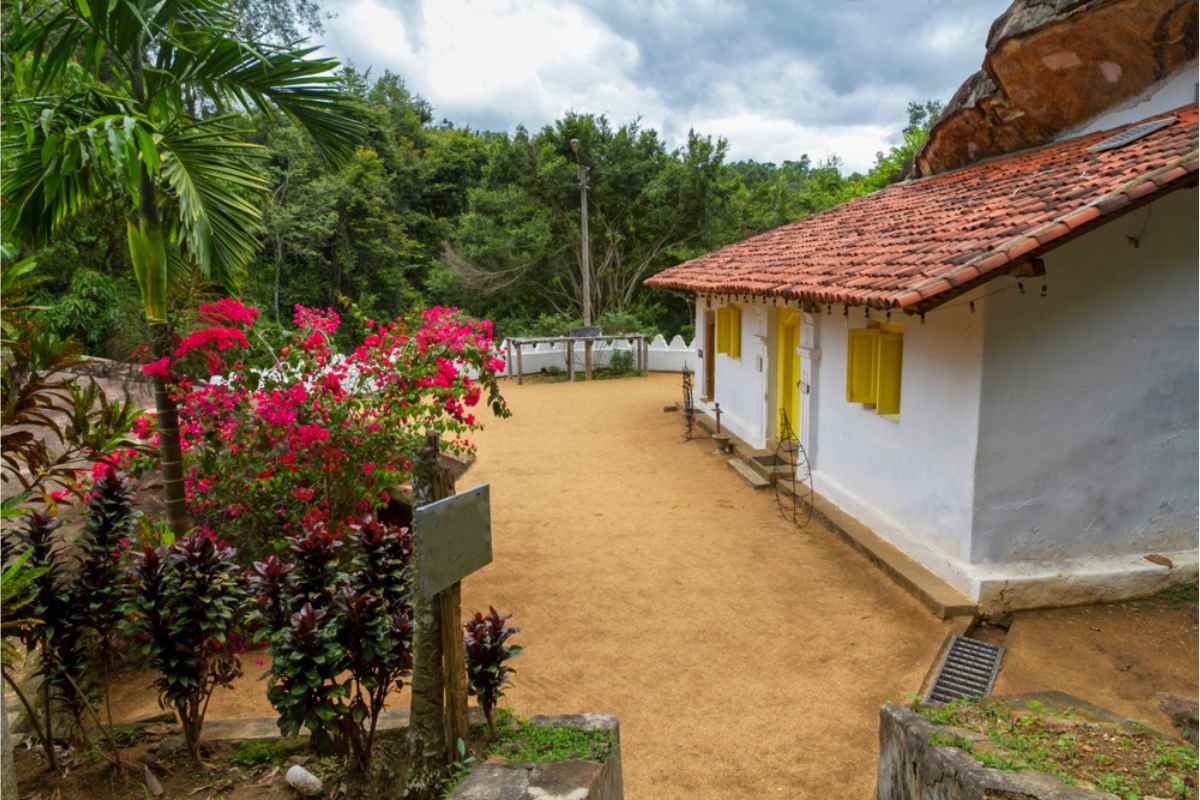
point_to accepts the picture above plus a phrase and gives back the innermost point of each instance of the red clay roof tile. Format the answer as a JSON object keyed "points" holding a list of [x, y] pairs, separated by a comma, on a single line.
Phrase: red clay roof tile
{"points": [[910, 242]]}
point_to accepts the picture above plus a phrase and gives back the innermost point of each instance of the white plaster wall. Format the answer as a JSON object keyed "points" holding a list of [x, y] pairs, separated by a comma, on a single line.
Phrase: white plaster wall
{"points": [[1088, 434], [910, 479], [1175, 90], [741, 383], [663, 356]]}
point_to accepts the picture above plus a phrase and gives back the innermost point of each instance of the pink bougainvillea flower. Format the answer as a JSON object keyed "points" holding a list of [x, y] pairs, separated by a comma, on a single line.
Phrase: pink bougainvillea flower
{"points": [[158, 369], [215, 338], [229, 311], [60, 494]]}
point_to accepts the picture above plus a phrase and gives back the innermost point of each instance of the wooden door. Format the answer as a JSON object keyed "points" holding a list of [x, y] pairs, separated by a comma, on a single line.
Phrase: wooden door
{"points": [[787, 394], [710, 355]]}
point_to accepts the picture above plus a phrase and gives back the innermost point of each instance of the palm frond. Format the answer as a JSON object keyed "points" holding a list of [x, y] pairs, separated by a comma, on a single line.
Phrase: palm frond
{"points": [[265, 77], [219, 195]]}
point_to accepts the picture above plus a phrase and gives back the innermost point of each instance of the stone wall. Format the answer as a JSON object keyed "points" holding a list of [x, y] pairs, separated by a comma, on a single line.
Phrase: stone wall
{"points": [[911, 768]]}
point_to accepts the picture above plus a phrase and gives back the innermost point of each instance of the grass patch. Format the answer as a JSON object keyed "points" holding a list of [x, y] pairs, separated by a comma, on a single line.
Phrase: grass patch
{"points": [[252, 754], [521, 742], [1129, 761]]}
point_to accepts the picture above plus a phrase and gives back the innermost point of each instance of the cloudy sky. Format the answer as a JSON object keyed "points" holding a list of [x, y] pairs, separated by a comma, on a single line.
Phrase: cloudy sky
{"points": [[777, 79]]}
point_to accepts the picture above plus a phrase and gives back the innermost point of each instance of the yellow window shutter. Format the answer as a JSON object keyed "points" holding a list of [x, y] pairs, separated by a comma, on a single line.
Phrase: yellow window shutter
{"points": [[722, 330], [735, 332], [862, 351], [887, 381]]}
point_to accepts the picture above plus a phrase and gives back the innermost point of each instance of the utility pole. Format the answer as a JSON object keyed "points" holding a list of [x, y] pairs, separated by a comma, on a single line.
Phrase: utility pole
{"points": [[585, 259]]}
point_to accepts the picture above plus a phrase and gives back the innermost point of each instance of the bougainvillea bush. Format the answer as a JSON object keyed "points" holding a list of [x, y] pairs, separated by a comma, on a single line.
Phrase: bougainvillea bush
{"points": [[320, 437]]}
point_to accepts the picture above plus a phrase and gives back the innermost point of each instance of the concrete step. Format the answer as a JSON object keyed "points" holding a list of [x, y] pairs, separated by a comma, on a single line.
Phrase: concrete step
{"points": [[748, 474], [938, 596]]}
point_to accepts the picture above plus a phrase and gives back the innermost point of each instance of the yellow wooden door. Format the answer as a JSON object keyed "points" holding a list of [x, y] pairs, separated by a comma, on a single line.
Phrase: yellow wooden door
{"points": [[787, 395]]}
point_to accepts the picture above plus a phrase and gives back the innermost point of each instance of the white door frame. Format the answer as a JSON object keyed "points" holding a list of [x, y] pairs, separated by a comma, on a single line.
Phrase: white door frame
{"points": [[810, 354]]}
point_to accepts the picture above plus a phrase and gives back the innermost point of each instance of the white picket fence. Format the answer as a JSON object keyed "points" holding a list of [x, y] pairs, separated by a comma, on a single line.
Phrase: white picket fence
{"points": [[664, 356]]}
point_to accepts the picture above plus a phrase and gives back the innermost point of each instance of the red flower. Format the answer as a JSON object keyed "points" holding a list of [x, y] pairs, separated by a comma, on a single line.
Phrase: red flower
{"points": [[229, 311], [158, 369]]}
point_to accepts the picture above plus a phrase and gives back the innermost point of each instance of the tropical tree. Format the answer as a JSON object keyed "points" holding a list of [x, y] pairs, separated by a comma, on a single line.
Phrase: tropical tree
{"points": [[140, 103]]}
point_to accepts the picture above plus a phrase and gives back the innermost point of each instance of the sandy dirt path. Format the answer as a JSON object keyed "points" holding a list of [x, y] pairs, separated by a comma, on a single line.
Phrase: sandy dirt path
{"points": [[744, 658]]}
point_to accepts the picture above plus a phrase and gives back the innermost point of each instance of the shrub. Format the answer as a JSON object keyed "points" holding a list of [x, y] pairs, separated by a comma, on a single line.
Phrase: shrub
{"points": [[340, 632], [487, 654], [187, 604], [621, 361], [64, 657], [319, 437], [98, 591]]}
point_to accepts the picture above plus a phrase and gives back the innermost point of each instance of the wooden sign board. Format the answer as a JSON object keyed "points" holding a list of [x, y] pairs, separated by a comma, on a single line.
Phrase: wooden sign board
{"points": [[453, 539]]}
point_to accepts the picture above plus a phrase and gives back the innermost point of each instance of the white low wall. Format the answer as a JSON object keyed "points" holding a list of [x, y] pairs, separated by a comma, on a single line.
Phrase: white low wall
{"points": [[664, 356]]}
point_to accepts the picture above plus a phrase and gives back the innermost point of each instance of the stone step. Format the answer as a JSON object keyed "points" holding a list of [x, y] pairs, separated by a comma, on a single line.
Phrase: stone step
{"points": [[748, 474]]}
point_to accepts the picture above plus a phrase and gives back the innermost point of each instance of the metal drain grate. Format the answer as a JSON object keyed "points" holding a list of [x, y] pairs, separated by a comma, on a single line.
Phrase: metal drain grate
{"points": [[967, 671]]}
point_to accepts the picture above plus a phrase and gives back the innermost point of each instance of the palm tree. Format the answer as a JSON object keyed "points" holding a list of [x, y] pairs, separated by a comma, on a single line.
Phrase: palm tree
{"points": [[144, 103]]}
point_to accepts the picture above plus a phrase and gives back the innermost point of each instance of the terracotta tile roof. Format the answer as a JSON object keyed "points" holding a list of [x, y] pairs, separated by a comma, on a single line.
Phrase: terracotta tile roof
{"points": [[914, 244]]}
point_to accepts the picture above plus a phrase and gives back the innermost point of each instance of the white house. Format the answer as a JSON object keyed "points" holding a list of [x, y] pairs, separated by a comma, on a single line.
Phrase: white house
{"points": [[994, 367]]}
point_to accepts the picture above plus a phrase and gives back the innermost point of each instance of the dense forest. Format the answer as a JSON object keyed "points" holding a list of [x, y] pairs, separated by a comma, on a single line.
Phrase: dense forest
{"points": [[427, 212]]}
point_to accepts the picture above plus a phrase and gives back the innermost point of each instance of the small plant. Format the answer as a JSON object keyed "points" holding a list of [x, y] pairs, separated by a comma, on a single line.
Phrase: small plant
{"points": [[18, 598], [621, 361], [187, 604], [487, 654], [305, 690], [97, 594], [341, 639], [251, 754], [64, 659], [521, 742]]}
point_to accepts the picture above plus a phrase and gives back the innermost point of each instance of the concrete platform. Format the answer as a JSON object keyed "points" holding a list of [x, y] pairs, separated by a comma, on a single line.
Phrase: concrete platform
{"points": [[936, 594]]}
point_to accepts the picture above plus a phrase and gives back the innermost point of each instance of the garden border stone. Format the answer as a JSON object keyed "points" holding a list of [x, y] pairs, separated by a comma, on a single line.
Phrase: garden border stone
{"points": [[557, 780], [912, 768]]}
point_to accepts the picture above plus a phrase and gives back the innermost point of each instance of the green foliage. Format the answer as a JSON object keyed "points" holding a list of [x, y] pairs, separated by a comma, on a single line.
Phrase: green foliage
{"points": [[253, 754], [521, 742], [1131, 761], [97, 592], [421, 213], [340, 633], [187, 603], [18, 596], [621, 361], [94, 309], [487, 655]]}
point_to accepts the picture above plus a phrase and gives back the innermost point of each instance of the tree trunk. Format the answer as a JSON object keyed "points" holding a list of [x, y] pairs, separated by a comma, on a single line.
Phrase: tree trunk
{"points": [[8, 770], [169, 449]]}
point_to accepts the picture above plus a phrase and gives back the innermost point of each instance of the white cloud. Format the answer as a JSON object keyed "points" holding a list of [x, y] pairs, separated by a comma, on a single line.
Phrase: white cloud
{"points": [[763, 138], [520, 61]]}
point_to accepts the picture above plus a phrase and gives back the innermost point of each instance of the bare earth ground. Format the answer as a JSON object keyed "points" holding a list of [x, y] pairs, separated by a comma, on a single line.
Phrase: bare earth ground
{"points": [[743, 657], [1116, 656]]}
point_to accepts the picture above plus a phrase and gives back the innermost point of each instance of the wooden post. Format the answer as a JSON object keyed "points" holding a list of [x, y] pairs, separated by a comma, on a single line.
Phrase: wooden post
{"points": [[520, 375], [455, 657], [509, 366], [645, 351], [587, 358], [439, 710], [571, 359]]}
